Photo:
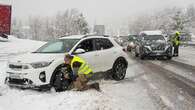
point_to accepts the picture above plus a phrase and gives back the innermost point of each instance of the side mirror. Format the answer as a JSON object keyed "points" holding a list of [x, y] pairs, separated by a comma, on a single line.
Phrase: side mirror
{"points": [[79, 51]]}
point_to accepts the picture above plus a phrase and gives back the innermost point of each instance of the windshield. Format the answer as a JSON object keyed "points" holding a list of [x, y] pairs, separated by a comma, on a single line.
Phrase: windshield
{"points": [[153, 38], [58, 46]]}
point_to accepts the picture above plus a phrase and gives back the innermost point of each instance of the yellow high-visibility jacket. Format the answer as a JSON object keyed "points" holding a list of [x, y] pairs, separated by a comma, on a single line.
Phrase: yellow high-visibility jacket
{"points": [[176, 40], [83, 68]]}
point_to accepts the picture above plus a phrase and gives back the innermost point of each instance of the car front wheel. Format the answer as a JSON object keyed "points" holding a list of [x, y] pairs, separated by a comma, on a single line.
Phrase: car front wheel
{"points": [[169, 57], [59, 82], [119, 69]]}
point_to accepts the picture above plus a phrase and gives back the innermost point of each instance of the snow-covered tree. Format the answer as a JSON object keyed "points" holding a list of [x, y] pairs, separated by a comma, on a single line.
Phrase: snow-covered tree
{"points": [[167, 20], [35, 24], [71, 22], [179, 21], [16, 28], [68, 22]]}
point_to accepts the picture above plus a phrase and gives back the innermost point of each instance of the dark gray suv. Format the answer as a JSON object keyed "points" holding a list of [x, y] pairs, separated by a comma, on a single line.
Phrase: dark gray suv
{"points": [[153, 46]]}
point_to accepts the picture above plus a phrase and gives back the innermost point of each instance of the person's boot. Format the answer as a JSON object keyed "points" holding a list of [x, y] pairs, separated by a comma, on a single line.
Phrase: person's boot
{"points": [[95, 86]]}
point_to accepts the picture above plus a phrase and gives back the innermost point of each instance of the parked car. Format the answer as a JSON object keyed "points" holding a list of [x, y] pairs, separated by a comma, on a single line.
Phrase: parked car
{"points": [[3, 38], [131, 42], [40, 69], [153, 44]]}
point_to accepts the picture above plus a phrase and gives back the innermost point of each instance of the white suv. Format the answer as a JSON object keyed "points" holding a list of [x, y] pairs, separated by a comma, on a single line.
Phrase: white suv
{"points": [[40, 68]]}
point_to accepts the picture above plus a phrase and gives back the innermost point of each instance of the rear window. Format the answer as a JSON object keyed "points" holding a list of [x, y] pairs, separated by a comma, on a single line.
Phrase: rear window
{"points": [[101, 44]]}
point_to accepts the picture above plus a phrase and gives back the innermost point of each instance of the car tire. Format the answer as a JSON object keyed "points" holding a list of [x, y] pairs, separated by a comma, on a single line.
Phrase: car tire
{"points": [[142, 57], [136, 54], [119, 69], [59, 82], [169, 57]]}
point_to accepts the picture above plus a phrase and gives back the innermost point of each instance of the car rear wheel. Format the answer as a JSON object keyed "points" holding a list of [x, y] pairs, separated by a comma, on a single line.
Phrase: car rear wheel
{"points": [[119, 69]]}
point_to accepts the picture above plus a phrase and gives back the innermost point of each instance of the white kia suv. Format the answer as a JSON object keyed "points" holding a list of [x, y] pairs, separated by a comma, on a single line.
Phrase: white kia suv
{"points": [[40, 68]]}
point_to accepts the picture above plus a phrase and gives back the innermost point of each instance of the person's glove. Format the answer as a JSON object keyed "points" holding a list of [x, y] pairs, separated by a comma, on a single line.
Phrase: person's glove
{"points": [[66, 76], [72, 76]]}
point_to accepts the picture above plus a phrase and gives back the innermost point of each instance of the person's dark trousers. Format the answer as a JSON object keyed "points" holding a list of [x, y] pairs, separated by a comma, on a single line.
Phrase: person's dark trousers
{"points": [[176, 50]]}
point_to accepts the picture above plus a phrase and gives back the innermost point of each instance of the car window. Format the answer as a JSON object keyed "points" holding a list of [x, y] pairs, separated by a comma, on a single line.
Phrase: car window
{"points": [[87, 45], [57, 46], [153, 37], [53, 47], [101, 44]]}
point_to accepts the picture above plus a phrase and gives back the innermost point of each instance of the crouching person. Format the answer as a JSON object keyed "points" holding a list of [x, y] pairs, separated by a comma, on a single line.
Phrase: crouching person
{"points": [[81, 73]]}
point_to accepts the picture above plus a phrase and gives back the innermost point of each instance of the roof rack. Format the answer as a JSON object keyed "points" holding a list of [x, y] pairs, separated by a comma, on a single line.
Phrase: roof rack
{"points": [[95, 35]]}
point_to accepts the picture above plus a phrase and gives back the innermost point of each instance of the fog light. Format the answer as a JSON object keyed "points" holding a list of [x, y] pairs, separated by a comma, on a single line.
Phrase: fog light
{"points": [[42, 76]]}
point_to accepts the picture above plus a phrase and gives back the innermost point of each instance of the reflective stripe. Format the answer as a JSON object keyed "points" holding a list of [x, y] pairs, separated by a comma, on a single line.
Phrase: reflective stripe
{"points": [[175, 40], [84, 68]]}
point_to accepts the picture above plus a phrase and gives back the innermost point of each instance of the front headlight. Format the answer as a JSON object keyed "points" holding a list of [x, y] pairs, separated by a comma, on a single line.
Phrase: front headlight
{"points": [[148, 48], [168, 48], [40, 64]]}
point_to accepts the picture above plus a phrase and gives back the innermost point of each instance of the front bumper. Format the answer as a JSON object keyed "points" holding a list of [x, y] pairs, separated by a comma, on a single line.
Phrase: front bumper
{"points": [[157, 54], [149, 52], [28, 78], [21, 83]]}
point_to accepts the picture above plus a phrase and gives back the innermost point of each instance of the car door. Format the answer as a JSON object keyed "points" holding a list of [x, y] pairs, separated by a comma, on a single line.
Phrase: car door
{"points": [[90, 54], [104, 53]]}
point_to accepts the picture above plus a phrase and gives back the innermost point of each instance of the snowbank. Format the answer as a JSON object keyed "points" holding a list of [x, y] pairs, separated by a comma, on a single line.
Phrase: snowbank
{"points": [[186, 55], [16, 45]]}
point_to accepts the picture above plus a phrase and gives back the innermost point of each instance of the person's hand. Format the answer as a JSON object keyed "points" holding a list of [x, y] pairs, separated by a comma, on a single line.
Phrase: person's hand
{"points": [[66, 76]]}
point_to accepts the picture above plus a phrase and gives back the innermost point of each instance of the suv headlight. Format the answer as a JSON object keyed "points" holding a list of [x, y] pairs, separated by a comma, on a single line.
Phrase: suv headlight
{"points": [[40, 64], [169, 48], [146, 49]]}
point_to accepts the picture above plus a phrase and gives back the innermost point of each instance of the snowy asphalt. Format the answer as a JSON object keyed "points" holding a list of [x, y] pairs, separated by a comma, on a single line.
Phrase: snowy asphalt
{"points": [[147, 87]]}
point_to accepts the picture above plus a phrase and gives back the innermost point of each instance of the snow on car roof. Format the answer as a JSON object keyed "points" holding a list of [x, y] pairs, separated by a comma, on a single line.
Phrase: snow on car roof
{"points": [[73, 37], [81, 36], [156, 32]]}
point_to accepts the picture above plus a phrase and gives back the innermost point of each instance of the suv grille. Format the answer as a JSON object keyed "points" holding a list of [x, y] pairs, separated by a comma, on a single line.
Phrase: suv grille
{"points": [[20, 81], [158, 48]]}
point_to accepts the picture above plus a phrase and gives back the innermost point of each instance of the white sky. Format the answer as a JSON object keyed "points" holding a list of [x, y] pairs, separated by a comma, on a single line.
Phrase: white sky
{"points": [[99, 11]]}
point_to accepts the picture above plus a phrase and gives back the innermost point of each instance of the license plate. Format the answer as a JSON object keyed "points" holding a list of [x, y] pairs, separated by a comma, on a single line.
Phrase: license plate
{"points": [[14, 75], [158, 54]]}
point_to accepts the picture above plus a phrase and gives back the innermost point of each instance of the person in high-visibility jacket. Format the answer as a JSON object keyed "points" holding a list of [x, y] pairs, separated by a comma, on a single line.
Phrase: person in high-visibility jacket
{"points": [[81, 73], [176, 43]]}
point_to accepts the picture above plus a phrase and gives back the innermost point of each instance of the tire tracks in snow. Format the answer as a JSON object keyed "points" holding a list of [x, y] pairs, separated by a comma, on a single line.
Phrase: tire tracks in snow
{"points": [[165, 90]]}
